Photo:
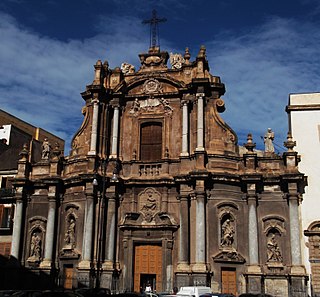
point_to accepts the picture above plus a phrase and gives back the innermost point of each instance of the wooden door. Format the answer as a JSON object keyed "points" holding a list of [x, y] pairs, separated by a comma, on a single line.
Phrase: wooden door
{"points": [[229, 281], [148, 261], [68, 277]]}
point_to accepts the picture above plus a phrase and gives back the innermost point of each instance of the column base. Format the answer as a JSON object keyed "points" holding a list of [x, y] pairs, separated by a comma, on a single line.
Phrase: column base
{"points": [[254, 269], [108, 265], [183, 267], [298, 270], [199, 267], [184, 154], [92, 153], [46, 264], [85, 264]]}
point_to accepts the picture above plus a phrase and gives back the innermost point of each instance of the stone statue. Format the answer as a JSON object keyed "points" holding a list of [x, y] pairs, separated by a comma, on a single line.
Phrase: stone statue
{"points": [[273, 250], [176, 61], [70, 238], [227, 233], [268, 141], [35, 246], [46, 148]]}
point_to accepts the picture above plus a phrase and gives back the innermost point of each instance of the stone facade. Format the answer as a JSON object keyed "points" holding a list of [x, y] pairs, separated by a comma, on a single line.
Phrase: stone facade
{"points": [[156, 190]]}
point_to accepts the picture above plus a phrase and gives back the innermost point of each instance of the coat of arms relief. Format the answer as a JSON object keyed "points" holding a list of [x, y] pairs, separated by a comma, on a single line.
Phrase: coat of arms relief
{"points": [[151, 87]]}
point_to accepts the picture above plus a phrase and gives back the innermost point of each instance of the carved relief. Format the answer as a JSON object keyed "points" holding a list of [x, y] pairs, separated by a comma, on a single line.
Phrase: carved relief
{"points": [[149, 203], [149, 105]]}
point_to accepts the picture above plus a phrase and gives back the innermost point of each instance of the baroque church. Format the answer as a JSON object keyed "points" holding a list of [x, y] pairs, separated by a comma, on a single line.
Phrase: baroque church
{"points": [[156, 190]]}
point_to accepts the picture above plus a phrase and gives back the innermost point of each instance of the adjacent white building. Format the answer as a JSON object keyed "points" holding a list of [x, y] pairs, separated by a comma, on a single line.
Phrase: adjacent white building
{"points": [[304, 123]]}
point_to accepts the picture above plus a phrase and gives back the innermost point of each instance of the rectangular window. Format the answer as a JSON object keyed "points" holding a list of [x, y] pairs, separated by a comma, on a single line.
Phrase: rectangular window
{"points": [[151, 142]]}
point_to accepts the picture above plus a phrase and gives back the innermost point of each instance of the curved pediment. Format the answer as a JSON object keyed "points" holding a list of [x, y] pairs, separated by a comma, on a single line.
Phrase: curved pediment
{"points": [[150, 85]]}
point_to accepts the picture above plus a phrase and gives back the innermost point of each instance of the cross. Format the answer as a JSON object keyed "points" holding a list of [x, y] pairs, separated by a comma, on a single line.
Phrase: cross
{"points": [[154, 31]]}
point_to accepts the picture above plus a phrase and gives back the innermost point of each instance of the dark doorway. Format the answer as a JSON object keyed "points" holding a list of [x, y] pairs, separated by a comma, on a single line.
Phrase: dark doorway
{"points": [[146, 280]]}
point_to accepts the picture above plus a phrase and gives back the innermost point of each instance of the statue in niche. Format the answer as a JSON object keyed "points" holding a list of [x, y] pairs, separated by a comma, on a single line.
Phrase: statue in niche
{"points": [[35, 246], [70, 238], [46, 148], [268, 141], [273, 250], [227, 233]]}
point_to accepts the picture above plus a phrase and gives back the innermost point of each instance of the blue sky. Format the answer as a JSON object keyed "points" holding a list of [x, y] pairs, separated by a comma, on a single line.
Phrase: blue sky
{"points": [[262, 50]]}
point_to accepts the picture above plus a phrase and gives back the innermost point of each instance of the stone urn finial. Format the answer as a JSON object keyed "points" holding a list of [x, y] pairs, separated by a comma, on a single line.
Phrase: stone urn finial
{"points": [[290, 143], [250, 145]]}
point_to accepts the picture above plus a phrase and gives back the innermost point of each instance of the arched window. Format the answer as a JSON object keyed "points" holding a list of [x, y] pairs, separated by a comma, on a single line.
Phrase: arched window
{"points": [[151, 141]]}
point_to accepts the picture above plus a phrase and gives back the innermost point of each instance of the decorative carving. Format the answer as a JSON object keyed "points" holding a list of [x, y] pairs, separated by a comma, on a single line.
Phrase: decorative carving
{"points": [[135, 106], [149, 203], [127, 68], [152, 86], [153, 105], [176, 61], [231, 256]]}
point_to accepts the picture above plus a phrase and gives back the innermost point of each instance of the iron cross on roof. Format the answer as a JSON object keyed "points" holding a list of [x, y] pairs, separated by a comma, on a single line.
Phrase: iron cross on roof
{"points": [[154, 30]]}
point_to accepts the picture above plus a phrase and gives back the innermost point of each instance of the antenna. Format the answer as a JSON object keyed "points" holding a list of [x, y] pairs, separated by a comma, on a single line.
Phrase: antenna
{"points": [[154, 29]]}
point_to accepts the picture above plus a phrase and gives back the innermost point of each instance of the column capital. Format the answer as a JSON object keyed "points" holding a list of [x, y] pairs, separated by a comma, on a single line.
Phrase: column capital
{"points": [[183, 197], [200, 95]]}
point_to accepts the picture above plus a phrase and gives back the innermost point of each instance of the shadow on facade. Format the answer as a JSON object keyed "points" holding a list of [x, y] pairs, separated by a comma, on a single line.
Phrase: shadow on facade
{"points": [[15, 276]]}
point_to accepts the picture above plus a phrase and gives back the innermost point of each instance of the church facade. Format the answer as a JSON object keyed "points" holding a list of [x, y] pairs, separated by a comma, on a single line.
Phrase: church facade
{"points": [[157, 191]]}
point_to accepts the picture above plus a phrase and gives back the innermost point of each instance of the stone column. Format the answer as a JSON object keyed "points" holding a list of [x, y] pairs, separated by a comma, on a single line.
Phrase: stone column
{"points": [[88, 234], [115, 131], [94, 128], [293, 197], [200, 122], [253, 230], [48, 252], [200, 233], [110, 228], [183, 260], [185, 128], [17, 224]]}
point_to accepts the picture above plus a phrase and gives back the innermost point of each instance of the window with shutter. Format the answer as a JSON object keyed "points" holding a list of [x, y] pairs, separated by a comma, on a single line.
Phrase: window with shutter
{"points": [[151, 141]]}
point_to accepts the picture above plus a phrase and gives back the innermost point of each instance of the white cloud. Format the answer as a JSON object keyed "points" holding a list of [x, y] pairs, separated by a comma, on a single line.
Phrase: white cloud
{"points": [[260, 69]]}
